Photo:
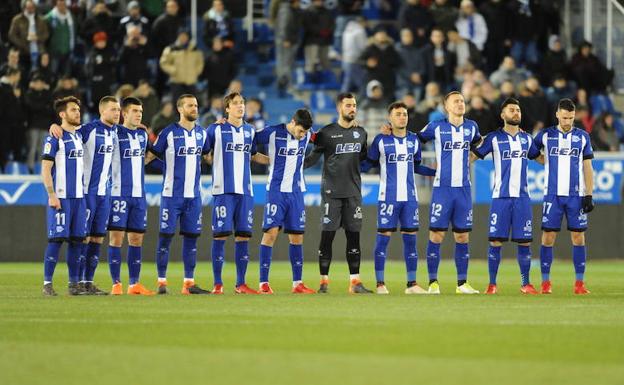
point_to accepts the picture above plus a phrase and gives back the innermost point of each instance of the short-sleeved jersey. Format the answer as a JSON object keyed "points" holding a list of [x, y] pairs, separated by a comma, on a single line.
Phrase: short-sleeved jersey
{"points": [[563, 160], [287, 156], [68, 156], [181, 150], [452, 148], [128, 175], [510, 155], [99, 143], [232, 148], [342, 149], [396, 158]]}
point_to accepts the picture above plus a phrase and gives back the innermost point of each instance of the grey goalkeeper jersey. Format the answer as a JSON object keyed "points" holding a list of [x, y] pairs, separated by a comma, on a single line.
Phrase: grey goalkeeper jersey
{"points": [[342, 149]]}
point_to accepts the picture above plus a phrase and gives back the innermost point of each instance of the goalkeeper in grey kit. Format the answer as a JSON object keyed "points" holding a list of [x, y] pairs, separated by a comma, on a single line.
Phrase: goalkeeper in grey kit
{"points": [[343, 146]]}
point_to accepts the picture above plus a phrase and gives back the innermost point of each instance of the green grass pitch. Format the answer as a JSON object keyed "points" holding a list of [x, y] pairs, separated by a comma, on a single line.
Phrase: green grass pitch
{"points": [[315, 339]]}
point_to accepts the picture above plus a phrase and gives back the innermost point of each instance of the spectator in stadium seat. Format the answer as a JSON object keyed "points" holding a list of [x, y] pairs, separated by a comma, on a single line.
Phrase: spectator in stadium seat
{"points": [[13, 61], [101, 64], [440, 63], [62, 37], [497, 19], [10, 113], [133, 20], [415, 121], [588, 71], [604, 136], [101, 20], [374, 113], [410, 77], [555, 61], [466, 53], [431, 100], [220, 68], [43, 70], [147, 95], [354, 41], [382, 62], [164, 117], [534, 105], [508, 71], [38, 101], [583, 118], [8, 9], [526, 26], [418, 19], [164, 33], [481, 113], [67, 86], [214, 113], [235, 86], [218, 23], [29, 33], [559, 89], [287, 36], [445, 15], [183, 63], [133, 57], [471, 24], [348, 10], [318, 33]]}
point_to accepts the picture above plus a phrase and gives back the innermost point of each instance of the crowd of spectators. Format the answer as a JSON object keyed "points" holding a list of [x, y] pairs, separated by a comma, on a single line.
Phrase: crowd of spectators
{"points": [[414, 50]]}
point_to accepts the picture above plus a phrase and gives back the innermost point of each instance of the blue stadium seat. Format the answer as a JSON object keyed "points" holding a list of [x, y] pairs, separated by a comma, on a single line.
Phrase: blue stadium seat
{"points": [[321, 102], [37, 168], [16, 168]]}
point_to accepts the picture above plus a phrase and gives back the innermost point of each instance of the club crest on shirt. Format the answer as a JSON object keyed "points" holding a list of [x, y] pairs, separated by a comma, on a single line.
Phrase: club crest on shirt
{"points": [[141, 138], [467, 131], [199, 136], [523, 141], [356, 134], [410, 145], [576, 139], [247, 134]]}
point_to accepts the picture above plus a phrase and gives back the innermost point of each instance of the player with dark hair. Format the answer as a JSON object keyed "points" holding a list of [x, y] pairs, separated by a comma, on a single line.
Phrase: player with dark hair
{"points": [[343, 147], [98, 138], [398, 156], [233, 145], [451, 198], [181, 147], [128, 203], [62, 171], [284, 206], [568, 191], [511, 205]]}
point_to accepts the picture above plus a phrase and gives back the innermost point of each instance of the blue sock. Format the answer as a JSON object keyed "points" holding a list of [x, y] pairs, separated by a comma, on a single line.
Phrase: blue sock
{"points": [[433, 260], [265, 262], [93, 256], [218, 259], [50, 259], [114, 263], [295, 252], [241, 254], [462, 256], [579, 257], [162, 256], [82, 261], [189, 256], [546, 260], [410, 254], [73, 261], [524, 261], [134, 263], [381, 245], [494, 258]]}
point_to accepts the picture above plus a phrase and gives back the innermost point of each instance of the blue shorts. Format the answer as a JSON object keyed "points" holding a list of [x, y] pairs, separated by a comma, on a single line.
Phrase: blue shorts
{"points": [[187, 210], [451, 204], [284, 210], [390, 214], [232, 212], [511, 214], [553, 209], [128, 214], [98, 212], [68, 223]]}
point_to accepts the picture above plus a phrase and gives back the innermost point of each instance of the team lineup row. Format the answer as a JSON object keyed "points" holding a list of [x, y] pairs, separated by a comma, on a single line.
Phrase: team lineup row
{"points": [[94, 176]]}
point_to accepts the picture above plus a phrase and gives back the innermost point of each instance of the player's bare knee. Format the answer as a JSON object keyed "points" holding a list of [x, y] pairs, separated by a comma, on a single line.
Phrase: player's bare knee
{"points": [[116, 238], [548, 238], [268, 238], [295, 239], [436, 236], [387, 233], [496, 243], [241, 239], [461, 237], [135, 239], [578, 238], [99, 240]]}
